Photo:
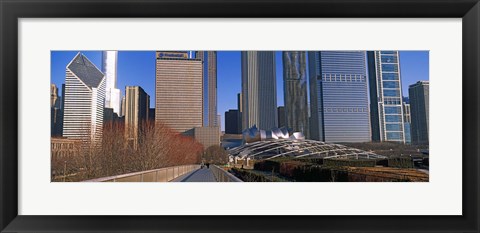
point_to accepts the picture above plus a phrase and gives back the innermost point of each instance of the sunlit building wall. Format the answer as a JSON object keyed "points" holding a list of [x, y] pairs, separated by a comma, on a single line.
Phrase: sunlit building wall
{"points": [[109, 68], [84, 100], [179, 91], [259, 97]]}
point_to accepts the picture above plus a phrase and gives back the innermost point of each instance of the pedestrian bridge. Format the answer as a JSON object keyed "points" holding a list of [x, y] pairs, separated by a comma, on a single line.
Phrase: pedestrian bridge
{"points": [[183, 173]]}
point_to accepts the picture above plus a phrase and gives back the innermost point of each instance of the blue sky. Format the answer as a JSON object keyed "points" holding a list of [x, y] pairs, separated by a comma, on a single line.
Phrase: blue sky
{"points": [[137, 68]]}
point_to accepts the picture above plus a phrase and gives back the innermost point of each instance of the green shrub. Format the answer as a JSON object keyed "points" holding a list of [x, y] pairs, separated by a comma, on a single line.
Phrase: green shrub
{"points": [[382, 162], [309, 173], [350, 162], [317, 161], [287, 168], [400, 162], [425, 161], [255, 176]]}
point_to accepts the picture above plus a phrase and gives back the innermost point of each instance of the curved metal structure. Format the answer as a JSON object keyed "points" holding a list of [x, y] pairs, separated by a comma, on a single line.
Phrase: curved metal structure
{"points": [[295, 148], [254, 134]]}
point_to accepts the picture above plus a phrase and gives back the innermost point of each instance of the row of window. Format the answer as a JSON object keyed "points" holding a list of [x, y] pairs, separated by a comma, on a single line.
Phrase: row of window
{"points": [[389, 59], [346, 110], [391, 93], [390, 67], [392, 101]]}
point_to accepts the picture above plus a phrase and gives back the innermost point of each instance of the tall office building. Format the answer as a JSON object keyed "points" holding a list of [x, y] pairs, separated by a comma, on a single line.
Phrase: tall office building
{"points": [[122, 109], [239, 102], [207, 136], [84, 100], [232, 122], [209, 60], [282, 122], [339, 96], [419, 104], [218, 122], [54, 97], [259, 97], [179, 91], [295, 91], [137, 106], [407, 120], [56, 114], [109, 68], [386, 96]]}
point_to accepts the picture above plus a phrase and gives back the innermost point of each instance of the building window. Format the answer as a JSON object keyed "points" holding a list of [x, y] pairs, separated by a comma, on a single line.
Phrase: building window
{"points": [[390, 84], [394, 136], [389, 59], [392, 110], [393, 118], [391, 93], [394, 127], [389, 67], [389, 76]]}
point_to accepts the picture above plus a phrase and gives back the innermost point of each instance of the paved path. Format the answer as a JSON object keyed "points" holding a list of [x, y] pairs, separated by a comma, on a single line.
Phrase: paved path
{"points": [[199, 175]]}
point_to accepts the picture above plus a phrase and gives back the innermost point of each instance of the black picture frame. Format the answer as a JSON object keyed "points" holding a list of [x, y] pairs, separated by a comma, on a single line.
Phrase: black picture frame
{"points": [[12, 10]]}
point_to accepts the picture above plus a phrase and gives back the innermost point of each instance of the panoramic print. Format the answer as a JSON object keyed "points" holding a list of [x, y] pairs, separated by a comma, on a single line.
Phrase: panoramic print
{"points": [[239, 116]]}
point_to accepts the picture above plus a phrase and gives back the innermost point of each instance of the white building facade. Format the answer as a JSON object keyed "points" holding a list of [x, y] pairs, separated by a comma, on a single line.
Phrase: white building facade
{"points": [[84, 100]]}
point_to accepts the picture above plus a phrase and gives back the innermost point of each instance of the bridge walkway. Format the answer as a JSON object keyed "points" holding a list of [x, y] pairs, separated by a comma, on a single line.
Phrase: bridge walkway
{"points": [[199, 175]]}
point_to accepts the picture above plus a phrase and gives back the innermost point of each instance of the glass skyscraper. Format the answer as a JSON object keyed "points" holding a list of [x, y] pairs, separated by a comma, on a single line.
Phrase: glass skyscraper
{"points": [[386, 107], [295, 91], [339, 96]]}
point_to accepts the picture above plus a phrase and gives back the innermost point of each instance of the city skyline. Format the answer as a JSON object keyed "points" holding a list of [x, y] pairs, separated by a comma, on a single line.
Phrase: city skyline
{"points": [[137, 68]]}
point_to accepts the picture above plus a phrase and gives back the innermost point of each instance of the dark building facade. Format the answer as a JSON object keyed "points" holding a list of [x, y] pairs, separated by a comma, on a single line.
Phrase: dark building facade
{"points": [[233, 124], [281, 117], [419, 109]]}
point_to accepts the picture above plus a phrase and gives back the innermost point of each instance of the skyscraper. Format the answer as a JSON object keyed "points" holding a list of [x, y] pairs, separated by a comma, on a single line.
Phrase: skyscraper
{"points": [[56, 114], [338, 96], [137, 106], [232, 122], [419, 104], [122, 110], [109, 68], [295, 91], [259, 100], [209, 60], [385, 96], [239, 102], [281, 117], [54, 98], [407, 120], [84, 100], [179, 91]]}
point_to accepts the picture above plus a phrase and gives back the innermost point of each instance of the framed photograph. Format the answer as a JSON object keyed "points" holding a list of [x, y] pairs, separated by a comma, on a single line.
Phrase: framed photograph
{"points": [[229, 116]]}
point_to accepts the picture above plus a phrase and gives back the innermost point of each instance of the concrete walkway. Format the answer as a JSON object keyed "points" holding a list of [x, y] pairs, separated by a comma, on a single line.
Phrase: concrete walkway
{"points": [[199, 175]]}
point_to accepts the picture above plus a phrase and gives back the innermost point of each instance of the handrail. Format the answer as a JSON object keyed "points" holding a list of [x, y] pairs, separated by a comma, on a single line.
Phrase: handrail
{"points": [[156, 175], [223, 176]]}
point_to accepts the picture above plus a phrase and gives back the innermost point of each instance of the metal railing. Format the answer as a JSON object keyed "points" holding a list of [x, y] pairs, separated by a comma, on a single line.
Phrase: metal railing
{"points": [[158, 175], [222, 175]]}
